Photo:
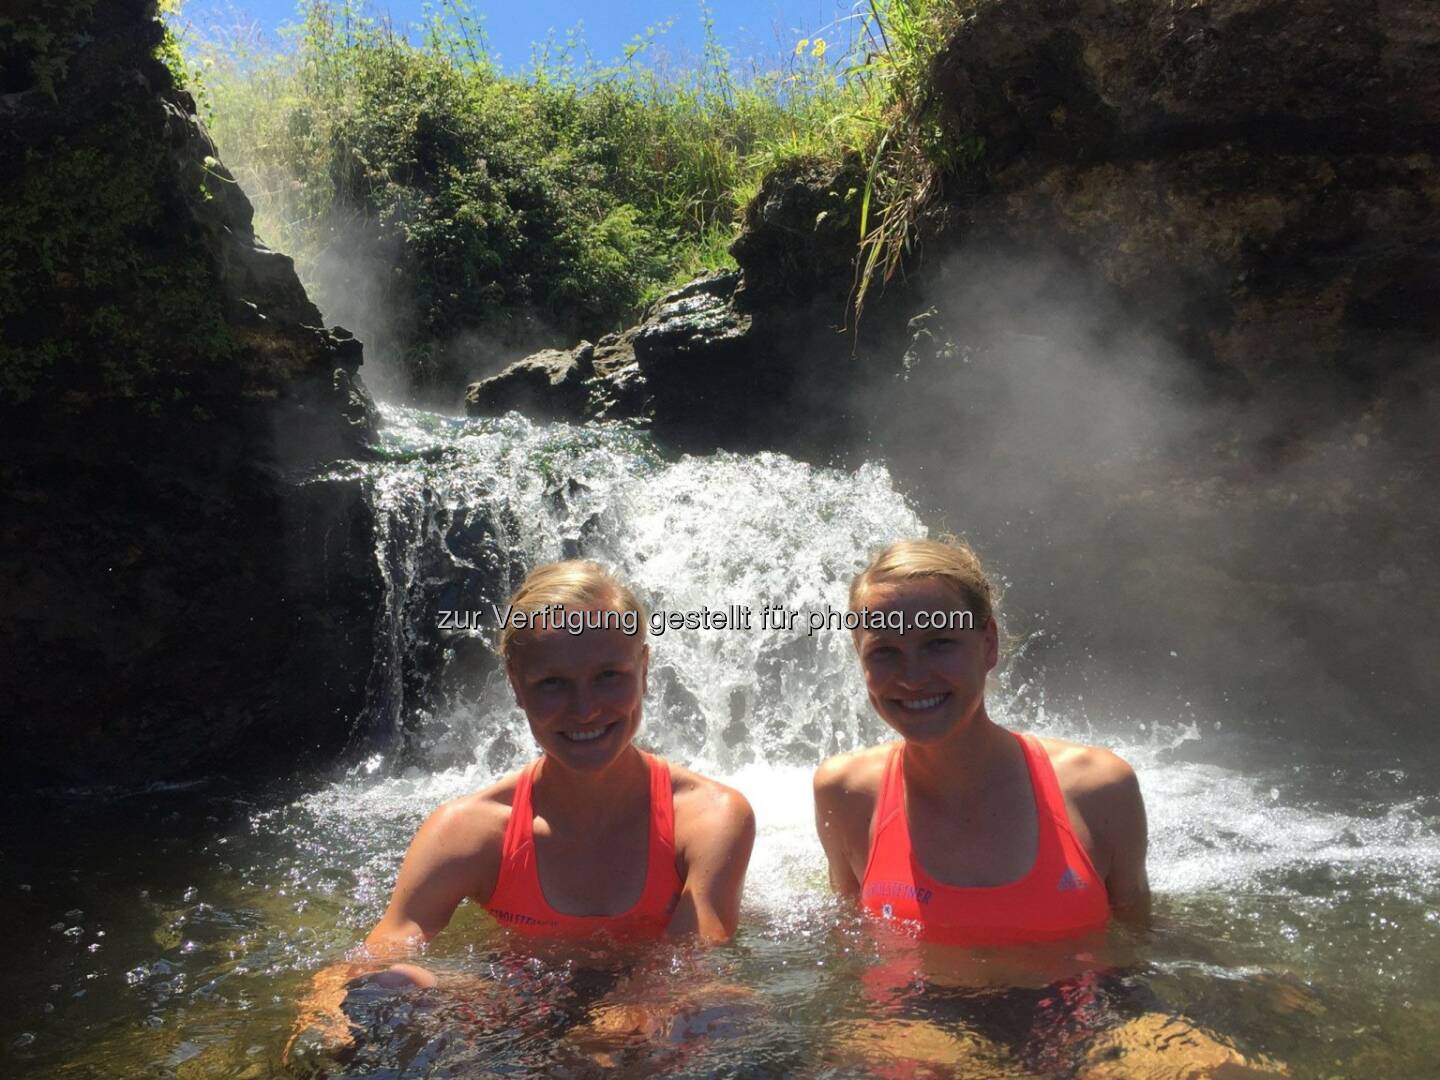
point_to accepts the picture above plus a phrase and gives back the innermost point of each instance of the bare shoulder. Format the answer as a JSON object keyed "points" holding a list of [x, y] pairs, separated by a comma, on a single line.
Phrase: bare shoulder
{"points": [[471, 823], [707, 803], [714, 824], [852, 777], [847, 788], [1103, 790], [1086, 773]]}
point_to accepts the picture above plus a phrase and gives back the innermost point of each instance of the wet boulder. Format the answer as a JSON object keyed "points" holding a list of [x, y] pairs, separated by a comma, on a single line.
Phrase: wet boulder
{"points": [[549, 385]]}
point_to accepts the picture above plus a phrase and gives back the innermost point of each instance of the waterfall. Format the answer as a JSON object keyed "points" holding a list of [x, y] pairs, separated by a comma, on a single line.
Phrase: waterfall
{"points": [[465, 507]]}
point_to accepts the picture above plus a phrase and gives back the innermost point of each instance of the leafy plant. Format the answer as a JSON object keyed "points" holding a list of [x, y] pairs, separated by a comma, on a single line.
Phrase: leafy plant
{"points": [[567, 196]]}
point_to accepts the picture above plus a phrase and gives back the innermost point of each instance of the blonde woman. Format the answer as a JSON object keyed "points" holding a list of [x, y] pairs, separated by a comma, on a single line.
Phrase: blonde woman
{"points": [[595, 837], [965, 833], [968, 832]]}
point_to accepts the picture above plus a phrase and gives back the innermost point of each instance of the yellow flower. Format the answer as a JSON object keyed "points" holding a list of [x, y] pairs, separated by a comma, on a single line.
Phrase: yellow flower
{"points": [[818, 50], [800, 45]]}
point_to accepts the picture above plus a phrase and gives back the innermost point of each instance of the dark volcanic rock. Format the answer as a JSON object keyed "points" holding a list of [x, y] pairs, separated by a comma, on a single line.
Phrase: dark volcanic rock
{"points": [[799, 234], [701, 371], [1087, 79], [179, 598], [1254, 178], [549, 385]]}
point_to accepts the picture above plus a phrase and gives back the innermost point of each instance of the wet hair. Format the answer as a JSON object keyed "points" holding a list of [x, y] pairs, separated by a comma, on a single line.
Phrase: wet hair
{"points": [[948, 559], [575, 584]]}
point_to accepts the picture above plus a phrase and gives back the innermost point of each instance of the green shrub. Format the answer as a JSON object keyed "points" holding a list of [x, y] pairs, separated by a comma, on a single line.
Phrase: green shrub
{"points": [[107, 298], [569, 196]]}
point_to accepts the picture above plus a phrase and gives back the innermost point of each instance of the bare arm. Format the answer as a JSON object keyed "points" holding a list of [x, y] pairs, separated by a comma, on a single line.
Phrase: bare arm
{"points": [[1109, 800], [455, 854], [841, 809], [1128, 838], [717, 845]]}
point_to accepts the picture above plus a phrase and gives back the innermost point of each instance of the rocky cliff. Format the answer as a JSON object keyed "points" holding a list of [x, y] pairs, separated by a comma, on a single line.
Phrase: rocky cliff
{"points": [[1168, 356], [178, 597]]}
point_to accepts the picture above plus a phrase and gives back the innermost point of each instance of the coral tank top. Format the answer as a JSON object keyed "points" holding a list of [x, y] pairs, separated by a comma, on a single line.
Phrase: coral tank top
{"points": [[1061, 896], [519, 903]]}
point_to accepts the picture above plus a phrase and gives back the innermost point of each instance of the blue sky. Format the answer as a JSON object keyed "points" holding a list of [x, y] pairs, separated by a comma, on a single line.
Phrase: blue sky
{"points": [[762, 31]]}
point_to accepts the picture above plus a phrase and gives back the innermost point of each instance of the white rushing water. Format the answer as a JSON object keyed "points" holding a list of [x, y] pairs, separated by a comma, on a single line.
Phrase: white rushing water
{"points": [[467, 506]]}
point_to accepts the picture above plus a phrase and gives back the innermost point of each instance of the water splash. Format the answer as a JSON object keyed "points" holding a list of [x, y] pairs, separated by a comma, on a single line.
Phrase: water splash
{"points": [[465, 507]]}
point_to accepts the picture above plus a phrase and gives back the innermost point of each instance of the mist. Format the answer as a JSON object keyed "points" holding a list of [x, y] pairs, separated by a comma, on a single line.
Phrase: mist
{"points": [[1253, 556]]}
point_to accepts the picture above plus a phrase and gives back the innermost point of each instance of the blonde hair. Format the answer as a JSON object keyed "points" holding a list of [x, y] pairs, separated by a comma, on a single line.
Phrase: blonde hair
{"points": [[948, 559], [575, 584]]}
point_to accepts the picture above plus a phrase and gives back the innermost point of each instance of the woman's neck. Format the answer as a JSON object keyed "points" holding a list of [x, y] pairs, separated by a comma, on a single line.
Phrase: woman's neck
{"points": [[958, 768], [591, 798]]}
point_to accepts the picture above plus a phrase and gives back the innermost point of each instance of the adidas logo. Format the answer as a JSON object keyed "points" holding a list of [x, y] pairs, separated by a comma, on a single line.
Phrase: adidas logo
{"points": [[1070, 880]]}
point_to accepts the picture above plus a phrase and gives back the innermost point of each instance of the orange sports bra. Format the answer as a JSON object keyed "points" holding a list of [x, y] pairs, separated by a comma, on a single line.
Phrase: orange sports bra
{"points": [[519, 903], [1061, 896]]}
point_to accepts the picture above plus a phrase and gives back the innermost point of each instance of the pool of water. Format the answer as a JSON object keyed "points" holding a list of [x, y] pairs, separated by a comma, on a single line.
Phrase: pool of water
{"points": [[172, 931]]}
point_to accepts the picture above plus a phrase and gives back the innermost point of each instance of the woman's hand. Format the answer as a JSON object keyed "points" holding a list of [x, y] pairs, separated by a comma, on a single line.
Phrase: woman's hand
{"points": [[405, 977], [321, 1024], [647, 1009]]}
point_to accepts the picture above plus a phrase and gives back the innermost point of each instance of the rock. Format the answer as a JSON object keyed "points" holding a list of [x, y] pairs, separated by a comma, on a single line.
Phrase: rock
{"points": [[549, 385], [799, 233], [1253, 177], [691, 321], [692, 359], [1085, 79], [182, 596]]}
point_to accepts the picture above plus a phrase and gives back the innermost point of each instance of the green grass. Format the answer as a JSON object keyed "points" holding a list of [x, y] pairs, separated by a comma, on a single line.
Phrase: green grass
{"points": [[574, 192]]}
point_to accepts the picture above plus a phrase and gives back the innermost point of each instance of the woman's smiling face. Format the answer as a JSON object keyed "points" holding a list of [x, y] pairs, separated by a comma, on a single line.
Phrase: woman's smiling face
{"points": [[926, 682], [582, 693]]}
